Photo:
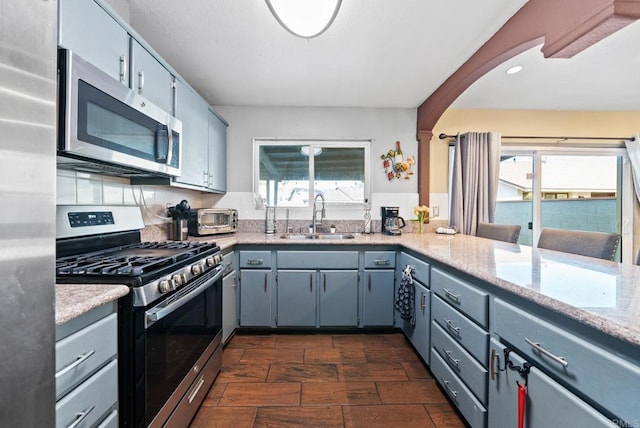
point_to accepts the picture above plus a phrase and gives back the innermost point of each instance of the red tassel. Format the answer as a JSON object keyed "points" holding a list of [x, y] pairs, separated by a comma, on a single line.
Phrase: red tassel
{"points": [[522, 398]]}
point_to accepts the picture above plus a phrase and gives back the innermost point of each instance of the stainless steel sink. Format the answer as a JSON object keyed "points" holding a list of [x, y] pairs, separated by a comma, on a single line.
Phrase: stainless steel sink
{"points": [[327, 236]]}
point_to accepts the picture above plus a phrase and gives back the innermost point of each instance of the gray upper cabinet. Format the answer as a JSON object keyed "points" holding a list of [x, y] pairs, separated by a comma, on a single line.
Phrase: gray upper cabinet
{"points": [[193, 111], [217, 175], [151, 79], [88, 30]]}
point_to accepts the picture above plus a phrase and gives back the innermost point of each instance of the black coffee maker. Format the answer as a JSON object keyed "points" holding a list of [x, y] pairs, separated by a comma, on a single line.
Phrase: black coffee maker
{"points": [[391, 220]]}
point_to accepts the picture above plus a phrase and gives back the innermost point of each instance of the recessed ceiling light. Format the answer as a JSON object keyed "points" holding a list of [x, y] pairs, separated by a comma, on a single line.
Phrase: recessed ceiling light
{"points": [[515, 69]]}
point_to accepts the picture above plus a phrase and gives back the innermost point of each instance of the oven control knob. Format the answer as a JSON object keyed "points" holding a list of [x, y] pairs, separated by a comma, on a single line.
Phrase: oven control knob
{"points": [[179, 279], [210, 261], [196, 269], [218, 258], [164, 286]]}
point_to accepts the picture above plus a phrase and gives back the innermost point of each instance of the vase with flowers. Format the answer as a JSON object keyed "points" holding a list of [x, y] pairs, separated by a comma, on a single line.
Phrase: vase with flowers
{"points": [[422, 216]]}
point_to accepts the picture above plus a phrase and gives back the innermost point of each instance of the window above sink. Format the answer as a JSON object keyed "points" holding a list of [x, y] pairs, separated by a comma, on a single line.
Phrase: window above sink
{"points": [[289, 172]]}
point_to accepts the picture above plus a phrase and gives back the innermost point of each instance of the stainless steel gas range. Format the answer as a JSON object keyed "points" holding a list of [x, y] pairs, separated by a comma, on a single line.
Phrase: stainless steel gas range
{"points": [[170, 324]]}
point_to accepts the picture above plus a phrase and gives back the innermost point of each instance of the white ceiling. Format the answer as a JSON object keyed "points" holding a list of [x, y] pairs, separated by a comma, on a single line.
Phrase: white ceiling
{"points": [[606, 76], [378, 53]]}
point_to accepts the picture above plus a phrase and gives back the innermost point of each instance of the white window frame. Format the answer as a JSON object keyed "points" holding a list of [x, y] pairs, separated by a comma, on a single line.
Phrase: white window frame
{"points": [[366, 144]]}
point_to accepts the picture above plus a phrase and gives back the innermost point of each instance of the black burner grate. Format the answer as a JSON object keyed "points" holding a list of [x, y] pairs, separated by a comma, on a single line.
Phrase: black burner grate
{"points": [[131, 260]]}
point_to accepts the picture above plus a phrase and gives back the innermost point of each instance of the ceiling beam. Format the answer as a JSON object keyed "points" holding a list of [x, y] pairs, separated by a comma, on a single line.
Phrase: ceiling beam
{"points": [[563, 27]]}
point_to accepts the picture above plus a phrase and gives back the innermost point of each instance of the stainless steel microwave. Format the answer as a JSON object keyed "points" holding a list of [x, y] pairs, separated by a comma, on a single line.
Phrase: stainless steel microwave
{"points": [[103, 125], [210, 221]]}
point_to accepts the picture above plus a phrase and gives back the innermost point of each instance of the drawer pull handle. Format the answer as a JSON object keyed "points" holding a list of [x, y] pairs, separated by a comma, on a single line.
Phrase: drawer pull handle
{"points": [[382, 262], [450, 358], [81, 416], [493, 359], [423, 300], [254, 262], [369, 282], [310, 282], [453, 328], [450, 391], [265, 282], [538, 347], [451, 295], [79, 360], [324, 282], [192, 396]]}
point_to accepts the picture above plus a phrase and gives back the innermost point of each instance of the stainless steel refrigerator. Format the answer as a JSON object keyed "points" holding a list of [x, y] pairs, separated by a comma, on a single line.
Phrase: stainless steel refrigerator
{"points": [[27, 195]]}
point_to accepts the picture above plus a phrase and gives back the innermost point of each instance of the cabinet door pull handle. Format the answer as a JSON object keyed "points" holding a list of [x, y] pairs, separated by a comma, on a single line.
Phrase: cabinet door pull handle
{"points": [[452, 393], [369, 282], [192, 396], [324, 280], [265, 282], [452, 327], [492, 368], [451, 295], [538, 347], [254, 262], [140, 81], [310, 282], [80, 416], [380, 262], [123, 68], [423, 300], [450, 358], [79, 360]]}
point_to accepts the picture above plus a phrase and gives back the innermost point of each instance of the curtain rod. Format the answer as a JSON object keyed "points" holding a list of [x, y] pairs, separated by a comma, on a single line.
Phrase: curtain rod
{"points": [[538, 137]]}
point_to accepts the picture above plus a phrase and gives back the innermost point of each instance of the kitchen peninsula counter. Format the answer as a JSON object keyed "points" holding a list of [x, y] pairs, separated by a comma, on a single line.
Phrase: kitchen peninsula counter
{"points": [[600, 294], [73, 300]]}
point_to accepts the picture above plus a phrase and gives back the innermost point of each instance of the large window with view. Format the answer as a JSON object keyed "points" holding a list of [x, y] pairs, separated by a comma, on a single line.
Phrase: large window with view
{"points": [[289, 173], [577, 188]]}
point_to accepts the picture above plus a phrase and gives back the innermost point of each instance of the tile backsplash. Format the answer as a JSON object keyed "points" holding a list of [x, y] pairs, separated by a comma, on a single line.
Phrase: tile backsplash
{"points": [[73, 188]]}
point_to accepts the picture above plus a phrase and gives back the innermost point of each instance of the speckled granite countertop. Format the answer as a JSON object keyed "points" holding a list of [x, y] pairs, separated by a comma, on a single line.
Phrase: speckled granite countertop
{"points": [[73, 300], [601, 294]]}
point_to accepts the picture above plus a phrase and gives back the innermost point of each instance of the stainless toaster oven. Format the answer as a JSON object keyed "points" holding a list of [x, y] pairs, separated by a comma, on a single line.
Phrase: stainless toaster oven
{"points": [[209, 221]]}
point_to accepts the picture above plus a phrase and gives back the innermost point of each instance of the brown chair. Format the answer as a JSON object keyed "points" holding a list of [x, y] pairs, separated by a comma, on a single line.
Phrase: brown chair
{"points": [[499, 232], [592, 244]]}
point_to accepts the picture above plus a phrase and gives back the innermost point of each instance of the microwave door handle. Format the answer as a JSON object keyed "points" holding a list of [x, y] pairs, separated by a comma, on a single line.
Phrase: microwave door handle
{"points": [[162, 143], [169, 145]]}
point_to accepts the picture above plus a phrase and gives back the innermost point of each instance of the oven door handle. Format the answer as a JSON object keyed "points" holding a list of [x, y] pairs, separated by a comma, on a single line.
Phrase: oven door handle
{"points": [[156, 313]]}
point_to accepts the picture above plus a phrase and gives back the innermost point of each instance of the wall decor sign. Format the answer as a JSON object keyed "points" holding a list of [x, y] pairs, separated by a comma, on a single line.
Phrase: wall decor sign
{"points": [[395, 165]]}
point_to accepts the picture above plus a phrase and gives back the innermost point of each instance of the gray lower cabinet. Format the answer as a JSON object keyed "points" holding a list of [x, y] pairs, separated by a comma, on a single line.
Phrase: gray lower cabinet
{"points": [[87, 369], [255, 297], [230, 296], [88, 30], [297, 298], [229, 305], [419, 333], [377, 298], [547, 403], [338, 298], [582, 366]]}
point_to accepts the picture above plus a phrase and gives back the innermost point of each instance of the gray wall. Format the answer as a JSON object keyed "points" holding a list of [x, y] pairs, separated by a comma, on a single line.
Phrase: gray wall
{"points": [[384, 126], [27, 247]]}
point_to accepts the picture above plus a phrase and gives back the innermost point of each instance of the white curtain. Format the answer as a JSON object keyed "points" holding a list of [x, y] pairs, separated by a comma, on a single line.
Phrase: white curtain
{"points": [[633, 149], [475, 180]]}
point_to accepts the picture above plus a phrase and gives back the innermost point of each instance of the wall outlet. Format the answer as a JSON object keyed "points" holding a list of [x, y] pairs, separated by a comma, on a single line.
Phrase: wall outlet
{"points": [[435, 211]]}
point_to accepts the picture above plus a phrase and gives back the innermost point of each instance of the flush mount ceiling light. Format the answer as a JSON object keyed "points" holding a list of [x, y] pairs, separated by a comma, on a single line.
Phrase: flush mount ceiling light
{"points": [[305, 18], [305, 150], [515, 69]]}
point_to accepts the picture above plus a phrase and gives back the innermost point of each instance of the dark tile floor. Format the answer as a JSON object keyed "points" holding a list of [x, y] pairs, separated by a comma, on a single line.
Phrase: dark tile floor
{"points": [[324, 380]]}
